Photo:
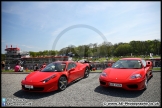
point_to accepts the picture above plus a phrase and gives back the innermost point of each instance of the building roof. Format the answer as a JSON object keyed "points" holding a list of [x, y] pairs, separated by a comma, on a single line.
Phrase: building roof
{"points": [[12, 49]]}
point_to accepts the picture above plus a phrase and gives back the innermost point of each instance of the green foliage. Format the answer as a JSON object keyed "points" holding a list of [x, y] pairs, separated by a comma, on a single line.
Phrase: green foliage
{"points": [[106, 49], [2, 57]]}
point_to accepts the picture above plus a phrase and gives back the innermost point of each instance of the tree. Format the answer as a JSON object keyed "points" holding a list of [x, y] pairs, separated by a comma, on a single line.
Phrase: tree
{"points": [[33, 54], [2, 57], [52, 52], [123, 50], [106, 49]]}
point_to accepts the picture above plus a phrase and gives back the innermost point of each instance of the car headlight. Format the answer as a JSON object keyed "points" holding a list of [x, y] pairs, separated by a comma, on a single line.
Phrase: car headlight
{"points": [[104, 74], [136, 76], [47, 79]]}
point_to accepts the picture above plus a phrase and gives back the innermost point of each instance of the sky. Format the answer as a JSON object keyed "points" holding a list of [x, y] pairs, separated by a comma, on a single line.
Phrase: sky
{"points": [[39, 26]]}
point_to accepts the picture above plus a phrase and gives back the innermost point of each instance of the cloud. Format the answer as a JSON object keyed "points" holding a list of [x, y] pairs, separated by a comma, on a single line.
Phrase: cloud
{"points": [[31, 14], [119, 21], [27, 46], [43, 5], [12, 8], [94, 7], [121, 28], [125, 7], [58, 31]]}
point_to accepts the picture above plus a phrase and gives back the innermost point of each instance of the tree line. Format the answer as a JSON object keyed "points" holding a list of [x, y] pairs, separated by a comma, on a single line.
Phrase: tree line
{"points": [[105, 49]]}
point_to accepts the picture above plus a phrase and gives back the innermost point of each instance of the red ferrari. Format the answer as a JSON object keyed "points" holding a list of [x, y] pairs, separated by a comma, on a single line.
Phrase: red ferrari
{"points": [[55, 76], [127, 73]]}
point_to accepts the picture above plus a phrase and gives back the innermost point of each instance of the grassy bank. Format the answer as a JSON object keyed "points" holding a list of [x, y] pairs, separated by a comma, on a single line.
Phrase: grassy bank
{"points": [[154, 69], [157, 68], [13, 70]]}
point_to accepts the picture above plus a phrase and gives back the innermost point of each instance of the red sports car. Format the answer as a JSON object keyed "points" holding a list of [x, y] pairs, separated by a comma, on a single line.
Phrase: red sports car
{"points": [[127, 73], [55, 76]]}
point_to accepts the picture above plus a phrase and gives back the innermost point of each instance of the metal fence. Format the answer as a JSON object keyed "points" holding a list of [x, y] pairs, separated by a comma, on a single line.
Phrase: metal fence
{"points": [[96, 65]]}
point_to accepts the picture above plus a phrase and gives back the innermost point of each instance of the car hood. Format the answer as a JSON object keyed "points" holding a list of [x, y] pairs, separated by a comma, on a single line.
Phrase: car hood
{"points": [[38, 76], [114, 73]]}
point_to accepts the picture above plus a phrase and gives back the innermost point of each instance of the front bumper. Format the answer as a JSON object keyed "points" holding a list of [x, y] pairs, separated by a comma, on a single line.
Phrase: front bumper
{"points": [[40, 86], [138, 84]]}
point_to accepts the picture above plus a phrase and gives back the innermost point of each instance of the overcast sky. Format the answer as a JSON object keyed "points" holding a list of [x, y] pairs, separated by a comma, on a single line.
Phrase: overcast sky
{"points": [[39, 26]]}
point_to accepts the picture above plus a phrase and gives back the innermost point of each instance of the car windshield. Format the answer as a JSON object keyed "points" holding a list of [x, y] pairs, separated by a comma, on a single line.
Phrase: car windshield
{"points": [[54, 67], [133, 64]]}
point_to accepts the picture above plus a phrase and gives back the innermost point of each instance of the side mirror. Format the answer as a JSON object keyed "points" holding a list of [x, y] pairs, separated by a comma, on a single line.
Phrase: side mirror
{"points": [[148, 63]]}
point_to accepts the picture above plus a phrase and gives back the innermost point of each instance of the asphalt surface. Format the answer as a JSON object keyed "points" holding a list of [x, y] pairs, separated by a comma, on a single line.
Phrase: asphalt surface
{"points": [[85, 92]]}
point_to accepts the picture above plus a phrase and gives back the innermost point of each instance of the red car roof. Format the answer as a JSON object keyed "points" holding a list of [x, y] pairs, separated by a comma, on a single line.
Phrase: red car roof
{"points": [[131, 58], [63, 61]]}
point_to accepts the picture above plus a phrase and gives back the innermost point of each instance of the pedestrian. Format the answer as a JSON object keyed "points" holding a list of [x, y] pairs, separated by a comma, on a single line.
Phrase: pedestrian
{"points": [[17, 67], [21, 68], [36, 67], [3, 65], [109, 64]]}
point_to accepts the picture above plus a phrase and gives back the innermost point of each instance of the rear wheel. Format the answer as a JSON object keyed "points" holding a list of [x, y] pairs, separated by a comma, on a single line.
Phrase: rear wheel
{"points": [[62, 84], [146, 83], [86, 73], [151, 74]]}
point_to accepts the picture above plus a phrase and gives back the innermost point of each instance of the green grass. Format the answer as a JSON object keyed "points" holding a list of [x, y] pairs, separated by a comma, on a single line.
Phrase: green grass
{"points": [[96, 71], [154, 69], [157, 68], [13, 70]]}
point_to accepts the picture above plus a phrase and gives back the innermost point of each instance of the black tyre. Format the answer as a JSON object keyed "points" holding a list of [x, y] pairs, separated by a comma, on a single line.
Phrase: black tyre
{"points": [[86, 73], [146, 83], [151, 74], [62, 83]]}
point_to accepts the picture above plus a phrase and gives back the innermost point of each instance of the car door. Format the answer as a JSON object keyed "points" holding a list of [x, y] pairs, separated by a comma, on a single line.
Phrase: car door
{"points": [[72, 72], [147, 69], [77, 70]]}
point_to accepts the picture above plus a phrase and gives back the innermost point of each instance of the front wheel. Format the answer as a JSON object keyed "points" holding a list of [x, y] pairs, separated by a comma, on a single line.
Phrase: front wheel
{"points": [[86, 73], [62, 83]]}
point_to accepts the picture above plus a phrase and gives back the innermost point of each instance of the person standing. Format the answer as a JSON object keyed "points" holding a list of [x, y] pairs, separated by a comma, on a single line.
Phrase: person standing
{"points": [[3, 65], [17, 67], [110, 64], [21, 68], [36, 67]]}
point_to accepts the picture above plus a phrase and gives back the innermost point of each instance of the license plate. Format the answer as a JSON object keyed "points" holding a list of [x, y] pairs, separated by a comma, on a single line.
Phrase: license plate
{"points": [[115, 84], [29, 86]]}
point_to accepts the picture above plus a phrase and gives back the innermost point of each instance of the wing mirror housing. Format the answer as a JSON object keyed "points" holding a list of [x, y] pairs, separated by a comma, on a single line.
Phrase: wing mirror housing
{"points": [[148, 63]]}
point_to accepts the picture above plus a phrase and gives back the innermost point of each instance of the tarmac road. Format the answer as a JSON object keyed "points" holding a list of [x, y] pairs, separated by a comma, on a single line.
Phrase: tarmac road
{"points": [[85, 92]]}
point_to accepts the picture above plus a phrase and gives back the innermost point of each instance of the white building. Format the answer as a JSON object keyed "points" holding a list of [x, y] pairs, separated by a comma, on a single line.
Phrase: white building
{"points": [[14, 54]]}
